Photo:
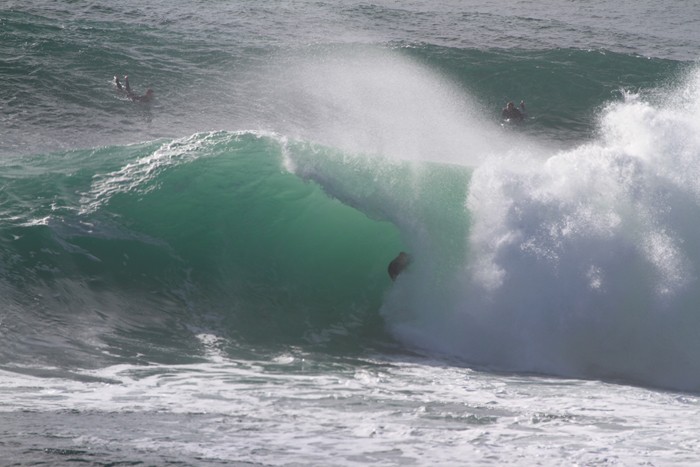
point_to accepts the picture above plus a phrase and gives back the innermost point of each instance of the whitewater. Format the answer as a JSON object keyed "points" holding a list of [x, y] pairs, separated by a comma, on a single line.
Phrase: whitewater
{"points": [[202, 280]]}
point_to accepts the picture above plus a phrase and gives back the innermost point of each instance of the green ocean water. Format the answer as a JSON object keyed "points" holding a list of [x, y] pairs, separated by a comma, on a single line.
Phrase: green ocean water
{"points": [[211, 267]]}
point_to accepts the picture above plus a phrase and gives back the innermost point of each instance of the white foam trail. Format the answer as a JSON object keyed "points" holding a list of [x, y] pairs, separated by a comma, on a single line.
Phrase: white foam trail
{"points": [[136, 175]]}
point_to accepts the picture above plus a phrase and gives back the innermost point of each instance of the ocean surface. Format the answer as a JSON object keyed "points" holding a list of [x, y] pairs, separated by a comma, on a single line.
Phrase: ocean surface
{"points": [[202, 279]]}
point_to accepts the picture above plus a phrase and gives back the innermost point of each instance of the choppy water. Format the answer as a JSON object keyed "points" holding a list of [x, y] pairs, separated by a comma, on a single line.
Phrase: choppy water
{"points": [[202, 279]]}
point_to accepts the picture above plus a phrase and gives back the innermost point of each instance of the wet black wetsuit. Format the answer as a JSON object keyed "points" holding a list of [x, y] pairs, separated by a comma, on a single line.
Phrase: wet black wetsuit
{"points": [[512, 114]]}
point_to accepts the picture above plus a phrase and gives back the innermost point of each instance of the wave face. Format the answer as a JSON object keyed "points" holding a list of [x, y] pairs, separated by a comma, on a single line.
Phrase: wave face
{"points": [[130, 249]]}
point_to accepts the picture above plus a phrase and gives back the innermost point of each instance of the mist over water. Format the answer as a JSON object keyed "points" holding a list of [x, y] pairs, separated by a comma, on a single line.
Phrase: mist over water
{"points": [[383, 103]]}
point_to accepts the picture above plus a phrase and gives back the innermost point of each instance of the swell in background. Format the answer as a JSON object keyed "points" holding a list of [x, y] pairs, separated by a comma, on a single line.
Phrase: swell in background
{"points": [[211, 69]]}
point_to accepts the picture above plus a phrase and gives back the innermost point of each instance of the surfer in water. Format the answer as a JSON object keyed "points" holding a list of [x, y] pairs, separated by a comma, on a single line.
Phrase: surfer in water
{"points": [[512, 113], [134, 97], [398, 264]]}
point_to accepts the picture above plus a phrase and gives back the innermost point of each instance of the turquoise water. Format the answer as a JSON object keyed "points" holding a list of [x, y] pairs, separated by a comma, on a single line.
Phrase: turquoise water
{"points": [[203, 279]]}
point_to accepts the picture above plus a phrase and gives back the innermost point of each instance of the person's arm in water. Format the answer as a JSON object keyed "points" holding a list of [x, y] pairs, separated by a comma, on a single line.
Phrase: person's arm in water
{"points": [[131, 95], [145, 98]]}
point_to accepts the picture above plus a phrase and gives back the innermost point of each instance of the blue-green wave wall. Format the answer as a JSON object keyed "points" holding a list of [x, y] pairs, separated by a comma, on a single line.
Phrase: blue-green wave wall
{"points": [[166, 237]]}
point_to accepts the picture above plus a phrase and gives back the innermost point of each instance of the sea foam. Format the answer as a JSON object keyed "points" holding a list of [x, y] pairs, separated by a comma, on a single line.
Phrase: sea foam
{"points": [[580, 262]]}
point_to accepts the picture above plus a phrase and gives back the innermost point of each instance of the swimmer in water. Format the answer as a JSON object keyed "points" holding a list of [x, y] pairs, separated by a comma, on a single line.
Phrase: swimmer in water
{"points": [[134, 97], [510, 112]]}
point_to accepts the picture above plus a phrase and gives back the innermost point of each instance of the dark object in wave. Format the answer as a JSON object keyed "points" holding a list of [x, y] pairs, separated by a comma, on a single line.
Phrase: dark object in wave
{"points": [[398, 264], [131, 95], [512, 113]]}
